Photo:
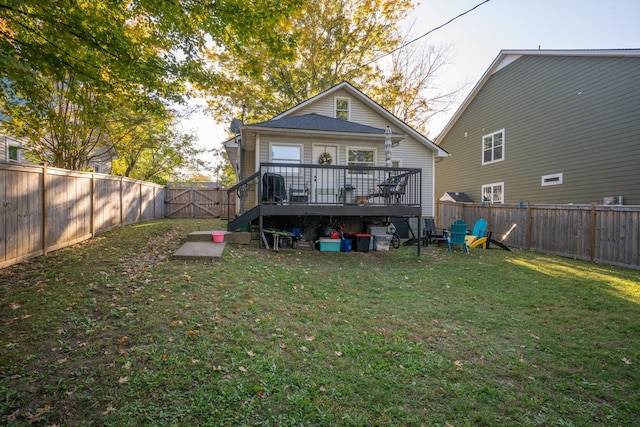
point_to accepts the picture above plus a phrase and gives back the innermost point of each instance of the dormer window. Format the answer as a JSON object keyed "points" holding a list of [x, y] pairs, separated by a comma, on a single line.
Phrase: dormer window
{"points": [[342, 108]]}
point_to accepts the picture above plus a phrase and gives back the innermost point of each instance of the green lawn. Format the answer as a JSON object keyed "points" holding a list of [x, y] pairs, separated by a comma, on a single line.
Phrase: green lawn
{"points": [[114, 332]]}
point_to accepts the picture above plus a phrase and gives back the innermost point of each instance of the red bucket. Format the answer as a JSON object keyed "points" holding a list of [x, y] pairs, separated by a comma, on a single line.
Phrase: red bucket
{"points": [[218, 237]]}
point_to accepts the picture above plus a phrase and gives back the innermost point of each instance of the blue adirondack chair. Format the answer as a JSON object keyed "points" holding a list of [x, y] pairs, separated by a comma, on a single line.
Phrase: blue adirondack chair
{"points": [[477, 236], [456, 235]]}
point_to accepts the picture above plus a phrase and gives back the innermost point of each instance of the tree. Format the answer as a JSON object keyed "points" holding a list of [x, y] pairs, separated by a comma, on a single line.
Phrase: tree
{"points": [[155, 150], [68, 122], [407, 86], [68, 64], [334, 41]]}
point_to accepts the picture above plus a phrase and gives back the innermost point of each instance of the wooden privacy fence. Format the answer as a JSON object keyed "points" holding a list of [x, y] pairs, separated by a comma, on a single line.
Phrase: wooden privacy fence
{"points": [[194, 202], [43, 209], [599, 233]]}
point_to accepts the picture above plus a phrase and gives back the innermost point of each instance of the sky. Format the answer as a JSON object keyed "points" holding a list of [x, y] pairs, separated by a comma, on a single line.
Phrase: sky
{"points": [[474, 40]]}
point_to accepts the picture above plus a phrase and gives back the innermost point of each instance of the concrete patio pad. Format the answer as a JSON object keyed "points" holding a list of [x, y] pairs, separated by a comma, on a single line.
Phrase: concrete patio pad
{"points": [[200, 250]]}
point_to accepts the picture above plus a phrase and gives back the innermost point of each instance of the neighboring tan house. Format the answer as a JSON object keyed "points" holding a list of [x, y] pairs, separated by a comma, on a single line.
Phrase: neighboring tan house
{"points": [[328, 158], [548, 126]]}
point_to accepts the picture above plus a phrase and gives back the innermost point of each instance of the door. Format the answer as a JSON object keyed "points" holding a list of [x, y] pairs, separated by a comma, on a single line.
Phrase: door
{"points": [[324, 180]]}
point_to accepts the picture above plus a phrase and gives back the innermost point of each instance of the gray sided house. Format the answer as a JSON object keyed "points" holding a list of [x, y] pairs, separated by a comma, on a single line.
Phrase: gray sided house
{"points": [[338, 155], [548, 127]]}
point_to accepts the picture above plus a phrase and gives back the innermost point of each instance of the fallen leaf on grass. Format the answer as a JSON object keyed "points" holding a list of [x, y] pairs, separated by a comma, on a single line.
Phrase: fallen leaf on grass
{"points": [[338, 353], [12, 417], [109, 410], [626, 361], [242, 369], [309, 338], [458, 365], [283, 345], [250, 353], [15, 305], [123, 380]]}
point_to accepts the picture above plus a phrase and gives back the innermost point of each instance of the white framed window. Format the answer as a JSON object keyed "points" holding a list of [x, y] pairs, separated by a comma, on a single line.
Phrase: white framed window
{"points": [[342, 108], [553, 179], [96, 167], [14, 150], [285, 153], [493, 193], [493, 147], [357, 156], [14, 153]]}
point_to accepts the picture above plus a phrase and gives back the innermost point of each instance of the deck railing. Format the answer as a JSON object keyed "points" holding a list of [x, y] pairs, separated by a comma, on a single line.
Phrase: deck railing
{"points": [[342, 185]]}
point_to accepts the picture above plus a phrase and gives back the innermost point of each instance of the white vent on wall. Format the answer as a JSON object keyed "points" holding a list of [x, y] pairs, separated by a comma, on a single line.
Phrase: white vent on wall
{"points": [[614, 200]]}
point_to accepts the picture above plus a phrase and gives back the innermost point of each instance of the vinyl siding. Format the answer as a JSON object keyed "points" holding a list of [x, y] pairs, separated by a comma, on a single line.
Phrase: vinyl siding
{"points": [[579, 116], [410, 152]]}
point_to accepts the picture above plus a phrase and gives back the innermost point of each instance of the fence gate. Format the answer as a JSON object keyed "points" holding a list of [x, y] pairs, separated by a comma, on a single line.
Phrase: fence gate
{"points": [[197, 203]]}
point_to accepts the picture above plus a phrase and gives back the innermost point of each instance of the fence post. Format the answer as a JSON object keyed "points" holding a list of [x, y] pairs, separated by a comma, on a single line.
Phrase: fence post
{"points": [[121, 202], [44, 208], [140, 201], [529, 227], [593, 231], [93, 205]]}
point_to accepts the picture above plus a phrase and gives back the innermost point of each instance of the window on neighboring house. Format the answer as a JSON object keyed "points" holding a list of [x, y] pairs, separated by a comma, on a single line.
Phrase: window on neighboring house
{"points": [[96, 167], [555, 179], [14, 153], [281, 153], [493, 193], [493, 147], [342, 108], [361, 157]]}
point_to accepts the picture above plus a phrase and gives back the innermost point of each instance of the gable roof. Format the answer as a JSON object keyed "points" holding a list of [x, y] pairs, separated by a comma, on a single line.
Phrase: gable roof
{"points": [[402, 126], [455, 196], [319, 122], [506, 57]]}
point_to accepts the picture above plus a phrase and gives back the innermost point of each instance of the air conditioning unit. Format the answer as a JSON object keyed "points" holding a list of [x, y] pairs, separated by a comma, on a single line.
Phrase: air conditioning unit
{"points": [[619, 200], [608, 200]]}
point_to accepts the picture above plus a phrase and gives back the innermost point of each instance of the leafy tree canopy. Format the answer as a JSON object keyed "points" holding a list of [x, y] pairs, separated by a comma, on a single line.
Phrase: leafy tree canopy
{"points": [[150, 47], [81, 77], [335, 41]]}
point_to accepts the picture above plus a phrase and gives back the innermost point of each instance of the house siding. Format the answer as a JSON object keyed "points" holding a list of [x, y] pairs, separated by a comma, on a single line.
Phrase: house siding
{"points": [[411, 153], [3, 148], [579, 116]]}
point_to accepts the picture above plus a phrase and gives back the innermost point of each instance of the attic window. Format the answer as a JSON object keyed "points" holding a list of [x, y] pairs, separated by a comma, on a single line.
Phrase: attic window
{"points": [[342, 108], [555, 179]]}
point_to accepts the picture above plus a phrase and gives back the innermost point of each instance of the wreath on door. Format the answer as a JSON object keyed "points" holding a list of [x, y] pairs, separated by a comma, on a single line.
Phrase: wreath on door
{"points": [[325, 158]]}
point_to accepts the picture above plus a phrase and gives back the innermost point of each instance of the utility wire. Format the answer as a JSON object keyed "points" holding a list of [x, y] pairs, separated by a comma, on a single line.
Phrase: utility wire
{"points": [[418, 38]]}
